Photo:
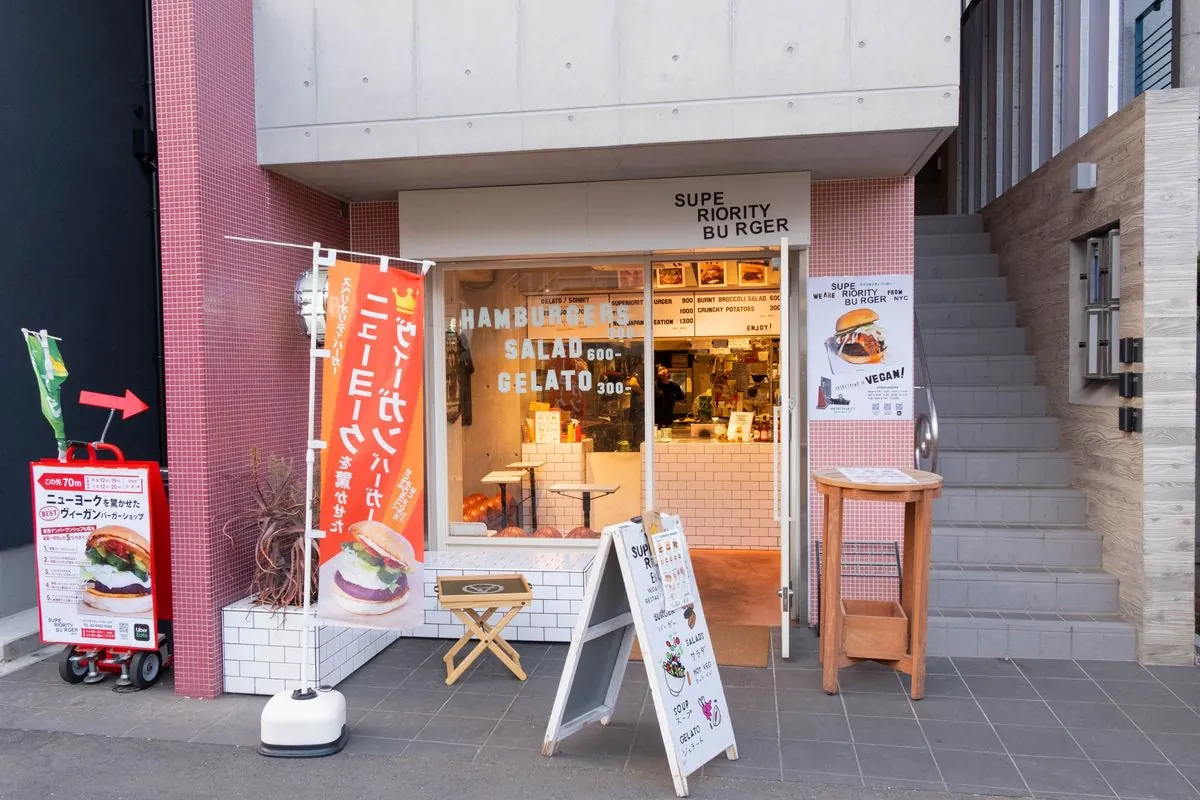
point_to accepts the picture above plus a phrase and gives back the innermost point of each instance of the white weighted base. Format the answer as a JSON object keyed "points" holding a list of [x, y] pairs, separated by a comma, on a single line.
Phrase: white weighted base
{"points": [[295, 725]]}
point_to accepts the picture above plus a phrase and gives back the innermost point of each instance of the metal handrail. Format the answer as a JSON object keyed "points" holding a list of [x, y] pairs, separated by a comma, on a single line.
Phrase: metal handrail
{"points": [[925, 429]]}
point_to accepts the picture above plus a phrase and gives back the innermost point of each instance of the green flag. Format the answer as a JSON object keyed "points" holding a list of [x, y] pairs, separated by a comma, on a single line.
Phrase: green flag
{"points": [[51, 372]]}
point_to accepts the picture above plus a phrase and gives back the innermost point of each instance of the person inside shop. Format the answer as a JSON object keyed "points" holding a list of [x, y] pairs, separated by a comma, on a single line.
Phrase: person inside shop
{"points": [[637, 413], [666, 395]]}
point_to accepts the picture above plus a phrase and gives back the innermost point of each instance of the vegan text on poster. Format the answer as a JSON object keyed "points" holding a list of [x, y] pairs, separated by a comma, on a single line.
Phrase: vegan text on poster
{"points": [[372, 478], [860, 354]]}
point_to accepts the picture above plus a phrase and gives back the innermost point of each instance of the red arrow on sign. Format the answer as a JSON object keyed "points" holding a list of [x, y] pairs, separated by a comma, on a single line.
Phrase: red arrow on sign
{"points": [[129, 405]]}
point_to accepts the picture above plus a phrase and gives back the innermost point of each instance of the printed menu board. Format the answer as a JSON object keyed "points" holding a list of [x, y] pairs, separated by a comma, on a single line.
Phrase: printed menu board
{"points": [[95, 572], [674, 314], [737, 313], [579, 315]]}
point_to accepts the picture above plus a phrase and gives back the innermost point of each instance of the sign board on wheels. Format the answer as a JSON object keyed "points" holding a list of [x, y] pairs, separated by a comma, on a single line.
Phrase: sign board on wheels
{"points": [[625, 598], [103, 557]]}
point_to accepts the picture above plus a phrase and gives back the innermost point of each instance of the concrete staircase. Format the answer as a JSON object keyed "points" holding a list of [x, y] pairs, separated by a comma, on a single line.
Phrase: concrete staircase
{"points": [[1016, 571]]}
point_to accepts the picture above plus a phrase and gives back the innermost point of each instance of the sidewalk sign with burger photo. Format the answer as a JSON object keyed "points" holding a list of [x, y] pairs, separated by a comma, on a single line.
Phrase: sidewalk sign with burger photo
{"points": [[372, 465], [860, 354], [101, 538]]}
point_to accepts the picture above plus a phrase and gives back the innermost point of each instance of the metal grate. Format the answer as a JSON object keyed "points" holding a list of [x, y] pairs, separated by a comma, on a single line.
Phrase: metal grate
{"points": [[864, 559], [1153, 48]]}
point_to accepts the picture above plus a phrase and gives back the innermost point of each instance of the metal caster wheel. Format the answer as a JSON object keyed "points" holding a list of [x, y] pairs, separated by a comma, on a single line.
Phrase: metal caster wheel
{"points": [[144, 669], [69, 667]]}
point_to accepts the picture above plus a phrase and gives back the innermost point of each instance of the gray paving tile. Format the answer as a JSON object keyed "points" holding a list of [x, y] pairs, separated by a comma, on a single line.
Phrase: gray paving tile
{"points": [[1117, 745], [485, 706], [1176, 675], [829, 757], [1018, 712], [415, 700], [518, 734], [939, 686], [880, 705], [977, 736], [814, 727], [1069, 690], [904, 763], [720, 767], [799, 701], [511, 757], [382, 677], [1032, 741], [600, 741], [532, 687], [951, 709], [1050, 668], [751, 700], [530, 708], [374, 746], [897, 784], [887, 731], [460, 730], [391, 724], [1002, 688], [1072, 776], [1182, 749], [1116, 671], [1192, 773], [1156, 719], [996, 791], [1094, 716], [608, 763], [755, 754], [1139, 693], [365, 697], [1157, 781], [822, 779], [939, 665], [747, 677], [881, 682], [997, 667], [965, 768], [755, 724], [808, 680], [440, 751]]}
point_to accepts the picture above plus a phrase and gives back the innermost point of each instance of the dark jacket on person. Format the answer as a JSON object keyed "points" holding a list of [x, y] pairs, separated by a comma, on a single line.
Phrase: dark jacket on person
{"points": [[666, 395]]}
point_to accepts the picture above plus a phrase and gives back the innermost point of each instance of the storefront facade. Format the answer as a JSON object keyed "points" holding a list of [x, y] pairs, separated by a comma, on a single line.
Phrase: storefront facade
{"points": [[671, 177]]}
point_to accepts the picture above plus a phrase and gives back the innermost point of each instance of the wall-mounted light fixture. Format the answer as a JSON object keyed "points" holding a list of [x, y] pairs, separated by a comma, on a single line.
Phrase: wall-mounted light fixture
{"points": [[1083, 178]]}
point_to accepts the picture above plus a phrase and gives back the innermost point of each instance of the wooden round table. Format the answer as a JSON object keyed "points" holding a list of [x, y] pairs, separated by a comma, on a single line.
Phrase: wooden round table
{"points": [[877, 631]]}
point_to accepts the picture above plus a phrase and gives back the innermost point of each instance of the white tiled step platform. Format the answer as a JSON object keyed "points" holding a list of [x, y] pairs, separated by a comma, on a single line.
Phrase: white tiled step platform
{"points": [[960, 633], [1051, 546], [263, 653]]}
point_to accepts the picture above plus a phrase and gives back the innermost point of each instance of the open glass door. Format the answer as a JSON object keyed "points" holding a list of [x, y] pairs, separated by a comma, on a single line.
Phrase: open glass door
{"points": [[790, 455]]}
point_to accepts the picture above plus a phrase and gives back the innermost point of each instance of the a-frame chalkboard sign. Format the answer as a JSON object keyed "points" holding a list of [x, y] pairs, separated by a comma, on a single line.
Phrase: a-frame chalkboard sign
{"points": [[624, 599]]}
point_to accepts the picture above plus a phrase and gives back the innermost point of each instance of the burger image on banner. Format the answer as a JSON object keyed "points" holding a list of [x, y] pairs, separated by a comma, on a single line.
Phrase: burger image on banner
{"points": [[858, 338], [116, 577], [371, 574]]}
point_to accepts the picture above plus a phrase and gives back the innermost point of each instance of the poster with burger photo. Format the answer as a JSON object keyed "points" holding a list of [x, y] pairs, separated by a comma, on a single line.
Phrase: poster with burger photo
{"points": [[372, 467], [95, 571], [860, 357]]}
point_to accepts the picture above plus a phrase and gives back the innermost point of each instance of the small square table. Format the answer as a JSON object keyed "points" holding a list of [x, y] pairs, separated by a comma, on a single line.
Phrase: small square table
{"points": [[585, 490], [533, 467], [474, 599], [504, 479]]}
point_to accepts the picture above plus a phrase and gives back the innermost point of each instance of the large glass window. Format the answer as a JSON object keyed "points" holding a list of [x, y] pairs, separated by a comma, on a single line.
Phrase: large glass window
{"points": [[545, 404]]}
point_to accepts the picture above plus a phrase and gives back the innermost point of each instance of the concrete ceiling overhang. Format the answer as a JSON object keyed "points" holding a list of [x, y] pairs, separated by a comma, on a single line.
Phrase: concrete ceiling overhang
{"points": [[840, 156]]}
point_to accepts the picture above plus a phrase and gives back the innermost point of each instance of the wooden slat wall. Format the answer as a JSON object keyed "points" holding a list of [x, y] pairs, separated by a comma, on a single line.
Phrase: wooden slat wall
{"points": [[1141, 488]]}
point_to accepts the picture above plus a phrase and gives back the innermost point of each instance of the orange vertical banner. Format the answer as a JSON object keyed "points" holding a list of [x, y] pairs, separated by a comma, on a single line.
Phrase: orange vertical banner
{"points": [[373, 466]]}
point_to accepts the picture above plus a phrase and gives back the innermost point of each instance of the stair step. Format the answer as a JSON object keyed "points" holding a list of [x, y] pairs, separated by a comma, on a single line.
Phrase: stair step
{"points": [[960, 633], [1002, 341], [961, 290], [967, 315], [983, 265], [952, 244], [980, 587], [19, 635], [1005, 468], [948, 223], [1070, 547], [998, 433], [981, 370], [990, 401], [1010, 505]]}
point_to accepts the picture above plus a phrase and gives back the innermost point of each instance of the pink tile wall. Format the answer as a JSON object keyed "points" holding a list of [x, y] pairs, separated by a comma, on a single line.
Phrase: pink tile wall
{"points": [[862, 227], [236, 364], [375, 228]]}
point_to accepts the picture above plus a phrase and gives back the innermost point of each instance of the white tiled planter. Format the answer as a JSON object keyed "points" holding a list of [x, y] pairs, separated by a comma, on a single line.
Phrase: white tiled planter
{"points": [[262, 649]]}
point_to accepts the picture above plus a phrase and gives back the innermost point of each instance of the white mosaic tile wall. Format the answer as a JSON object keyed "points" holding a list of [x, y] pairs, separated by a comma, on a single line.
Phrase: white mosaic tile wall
{"points": [[263, 653], [566, 462]]}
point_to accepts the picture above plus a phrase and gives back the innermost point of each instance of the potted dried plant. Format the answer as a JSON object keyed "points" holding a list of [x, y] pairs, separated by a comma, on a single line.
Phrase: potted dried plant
{"points": [[276, 520]]}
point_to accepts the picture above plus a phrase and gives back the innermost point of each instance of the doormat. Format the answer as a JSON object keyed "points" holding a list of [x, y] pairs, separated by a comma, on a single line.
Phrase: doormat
{"points": [[734, 645]]}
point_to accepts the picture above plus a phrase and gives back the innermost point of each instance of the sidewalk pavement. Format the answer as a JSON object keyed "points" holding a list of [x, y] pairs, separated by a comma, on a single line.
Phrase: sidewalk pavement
{"points": [[1046, 729]]}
